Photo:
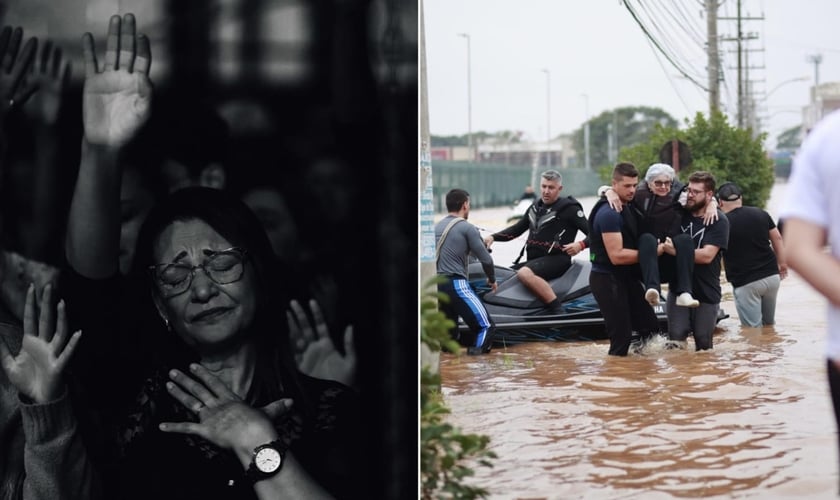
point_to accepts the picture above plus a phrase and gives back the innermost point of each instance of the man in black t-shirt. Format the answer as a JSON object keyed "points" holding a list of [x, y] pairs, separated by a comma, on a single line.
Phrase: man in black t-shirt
{"points": [[755, 259]]}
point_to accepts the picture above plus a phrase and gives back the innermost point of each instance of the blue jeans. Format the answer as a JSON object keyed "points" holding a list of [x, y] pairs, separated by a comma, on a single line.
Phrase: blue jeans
{"points": [[756, 302]]}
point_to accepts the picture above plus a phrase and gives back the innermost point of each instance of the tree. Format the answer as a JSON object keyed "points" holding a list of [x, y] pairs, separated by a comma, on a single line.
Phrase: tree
{"points": [[446, 453], [630, 125], [731, 154], [789, 139]]}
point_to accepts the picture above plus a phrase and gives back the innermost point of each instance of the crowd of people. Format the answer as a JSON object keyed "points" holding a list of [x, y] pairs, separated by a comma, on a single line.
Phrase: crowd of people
{"points": [[165, 329], [644, 230]]}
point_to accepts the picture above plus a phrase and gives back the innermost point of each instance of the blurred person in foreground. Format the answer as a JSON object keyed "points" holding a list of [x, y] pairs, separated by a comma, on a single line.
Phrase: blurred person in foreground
{"points": [[755, 261], [42, 455], [811, 211]]}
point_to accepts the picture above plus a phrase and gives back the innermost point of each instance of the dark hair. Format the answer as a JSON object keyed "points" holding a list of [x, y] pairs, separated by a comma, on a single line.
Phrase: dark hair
{"points": [[276, 372], [455, 199], [706, 178], [624, 169]]}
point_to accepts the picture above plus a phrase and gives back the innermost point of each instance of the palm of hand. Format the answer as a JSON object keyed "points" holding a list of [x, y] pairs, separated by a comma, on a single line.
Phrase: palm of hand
{"points": [[115, 106], [34, 371], [45, 104], [321, 360]]}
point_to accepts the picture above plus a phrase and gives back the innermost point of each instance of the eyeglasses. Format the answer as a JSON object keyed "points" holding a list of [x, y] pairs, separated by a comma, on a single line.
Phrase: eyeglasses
{"points": [[696, 192], [661, 183], [223, 267]]}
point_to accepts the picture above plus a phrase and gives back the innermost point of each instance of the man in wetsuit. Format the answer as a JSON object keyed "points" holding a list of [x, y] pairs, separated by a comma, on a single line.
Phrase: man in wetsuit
{"points": [[553, 221], [456, 239]]}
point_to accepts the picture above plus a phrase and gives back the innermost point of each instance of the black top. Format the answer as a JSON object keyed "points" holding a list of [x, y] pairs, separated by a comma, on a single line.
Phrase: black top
{"points": [[120, 369], [662, 214], [628, 221], [706, 277], [563, 219], [749, 256]]}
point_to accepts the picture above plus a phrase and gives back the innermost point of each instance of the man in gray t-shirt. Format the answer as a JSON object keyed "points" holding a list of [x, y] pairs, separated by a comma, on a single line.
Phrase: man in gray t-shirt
{"points": [[456, 239]]}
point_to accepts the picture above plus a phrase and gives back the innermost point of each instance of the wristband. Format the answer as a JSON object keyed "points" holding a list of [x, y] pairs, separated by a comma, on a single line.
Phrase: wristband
{"points": [[582, 245]]}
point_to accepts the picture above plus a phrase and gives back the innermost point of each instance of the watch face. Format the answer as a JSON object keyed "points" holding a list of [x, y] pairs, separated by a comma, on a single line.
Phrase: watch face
{"points": [[268, 460]]}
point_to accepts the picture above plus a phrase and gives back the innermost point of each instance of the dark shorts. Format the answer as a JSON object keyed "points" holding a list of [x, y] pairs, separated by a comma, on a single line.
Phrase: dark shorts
{"points": [[550, 266]]}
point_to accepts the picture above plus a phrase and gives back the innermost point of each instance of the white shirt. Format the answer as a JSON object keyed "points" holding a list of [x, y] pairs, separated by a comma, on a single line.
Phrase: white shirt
{"points": [[813, 195]]}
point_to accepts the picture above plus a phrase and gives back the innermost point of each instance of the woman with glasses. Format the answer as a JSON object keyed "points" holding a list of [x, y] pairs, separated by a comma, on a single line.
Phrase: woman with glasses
{"points": [[186, 370], [222, 411], [658, 200]]}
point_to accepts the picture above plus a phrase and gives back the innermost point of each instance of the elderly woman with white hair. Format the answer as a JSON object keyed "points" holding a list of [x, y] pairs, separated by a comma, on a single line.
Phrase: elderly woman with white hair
{"points": [[658, 199]]}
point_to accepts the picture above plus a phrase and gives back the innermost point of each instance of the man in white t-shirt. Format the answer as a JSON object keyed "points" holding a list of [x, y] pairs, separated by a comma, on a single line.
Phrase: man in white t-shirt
{"points": [[811, 214]]}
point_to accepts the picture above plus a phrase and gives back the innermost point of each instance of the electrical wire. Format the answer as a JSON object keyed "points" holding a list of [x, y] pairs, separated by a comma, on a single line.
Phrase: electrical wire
{"points": [[658, 47]]}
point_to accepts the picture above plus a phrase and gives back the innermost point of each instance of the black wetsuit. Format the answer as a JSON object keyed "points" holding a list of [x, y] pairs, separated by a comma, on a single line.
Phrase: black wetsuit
{"points": [[551, 227]]}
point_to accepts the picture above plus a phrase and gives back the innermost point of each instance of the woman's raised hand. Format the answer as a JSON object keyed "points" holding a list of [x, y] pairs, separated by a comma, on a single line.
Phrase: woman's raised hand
{"points": [[14, 64], [314, 350], [117, 95], [37, 370], [51, 75]]}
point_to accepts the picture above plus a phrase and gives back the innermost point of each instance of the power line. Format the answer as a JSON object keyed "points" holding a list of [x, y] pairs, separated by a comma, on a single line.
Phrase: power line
{"points": [[670, 80], [675, 43], [656, 44]]}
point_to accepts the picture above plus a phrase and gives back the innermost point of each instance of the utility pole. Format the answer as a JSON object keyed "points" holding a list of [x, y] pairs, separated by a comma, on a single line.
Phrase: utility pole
{"points": [[427, 211], [739, 39], [815, 93], [586, 134], [714, 58], [549, 160], [740, 73], [816, 59], [469, 99]]}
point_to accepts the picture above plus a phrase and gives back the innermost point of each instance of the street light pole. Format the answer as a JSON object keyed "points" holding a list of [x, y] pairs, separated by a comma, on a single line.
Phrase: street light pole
{"points": [[549, 156], [780, 85], [798, 79], [469, 98], [586, 133]]}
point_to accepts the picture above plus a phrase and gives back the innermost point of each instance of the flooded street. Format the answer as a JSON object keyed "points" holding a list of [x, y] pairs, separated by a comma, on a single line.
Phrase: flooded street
{"points": [[750, 419]]}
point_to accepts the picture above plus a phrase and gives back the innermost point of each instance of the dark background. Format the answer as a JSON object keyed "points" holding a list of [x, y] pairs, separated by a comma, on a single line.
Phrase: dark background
{"points": [[297, 81]]}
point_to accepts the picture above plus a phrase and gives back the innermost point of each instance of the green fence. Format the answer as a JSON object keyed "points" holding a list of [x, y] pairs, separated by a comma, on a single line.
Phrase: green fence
{"points": [[494, 185]]}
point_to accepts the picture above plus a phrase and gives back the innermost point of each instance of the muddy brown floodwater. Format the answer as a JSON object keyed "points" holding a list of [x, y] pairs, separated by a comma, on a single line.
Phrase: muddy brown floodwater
{"points": [[750, 419]]}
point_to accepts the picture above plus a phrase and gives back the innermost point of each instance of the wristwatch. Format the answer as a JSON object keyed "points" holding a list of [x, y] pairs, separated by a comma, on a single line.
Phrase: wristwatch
{"points": [[266, 461]]}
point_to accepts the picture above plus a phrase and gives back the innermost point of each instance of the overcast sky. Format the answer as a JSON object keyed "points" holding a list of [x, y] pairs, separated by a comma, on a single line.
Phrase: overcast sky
{"points": [[596, 48]]}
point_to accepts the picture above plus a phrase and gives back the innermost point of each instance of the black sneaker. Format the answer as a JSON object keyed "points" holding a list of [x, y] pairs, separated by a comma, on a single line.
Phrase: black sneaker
{"points": [[475, 351], [636, 343]]}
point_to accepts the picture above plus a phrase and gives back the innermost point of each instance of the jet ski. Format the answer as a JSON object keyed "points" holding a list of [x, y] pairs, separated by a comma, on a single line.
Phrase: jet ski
{"points": [[519, 209], [522, 317]]}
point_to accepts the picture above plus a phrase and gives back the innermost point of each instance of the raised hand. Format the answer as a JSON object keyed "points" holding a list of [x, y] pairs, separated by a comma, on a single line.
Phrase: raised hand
{"points": [[117, 96], [315, 352], [51, 74], [13, 67], [37, 370], [224, 419]]}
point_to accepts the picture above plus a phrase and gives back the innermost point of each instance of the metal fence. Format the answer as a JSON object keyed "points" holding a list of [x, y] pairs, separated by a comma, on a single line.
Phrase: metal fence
{"points": [[494, 185]]}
